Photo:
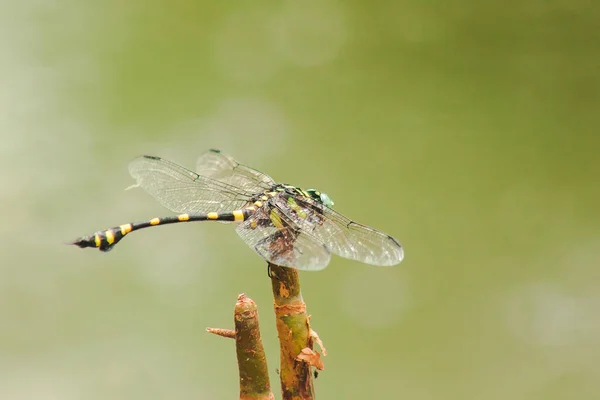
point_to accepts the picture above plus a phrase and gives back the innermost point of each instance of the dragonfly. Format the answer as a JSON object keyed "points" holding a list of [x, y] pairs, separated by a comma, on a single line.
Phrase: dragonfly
{"points": [[284, 224]]}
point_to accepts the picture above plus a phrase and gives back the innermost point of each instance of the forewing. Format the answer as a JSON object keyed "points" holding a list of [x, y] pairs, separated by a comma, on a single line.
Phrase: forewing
{"points": [[224, 168], [184, 191], [341, 235], [284, 246]]}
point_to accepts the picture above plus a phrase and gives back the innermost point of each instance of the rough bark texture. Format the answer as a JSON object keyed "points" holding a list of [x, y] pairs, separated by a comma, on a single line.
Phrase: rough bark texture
{"points": [[252, 362], [294, 334]]}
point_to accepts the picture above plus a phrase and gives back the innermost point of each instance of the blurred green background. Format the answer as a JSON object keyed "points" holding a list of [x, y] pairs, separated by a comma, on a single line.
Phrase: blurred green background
{"points": [[467, 130]]}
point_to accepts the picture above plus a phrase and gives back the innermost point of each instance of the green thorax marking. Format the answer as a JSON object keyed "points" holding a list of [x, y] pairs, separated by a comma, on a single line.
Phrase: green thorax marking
{"points": [[276, 219], [294, 206]]}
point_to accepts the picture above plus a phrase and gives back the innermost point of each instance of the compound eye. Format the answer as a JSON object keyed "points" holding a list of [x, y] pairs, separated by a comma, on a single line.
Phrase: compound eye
{"points": [[326, 200]]}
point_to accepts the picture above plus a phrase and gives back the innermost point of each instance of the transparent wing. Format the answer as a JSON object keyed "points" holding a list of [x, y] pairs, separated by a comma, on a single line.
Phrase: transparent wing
{"points": [[224, 168], [283, 245], [183, 191], [341, 235]]}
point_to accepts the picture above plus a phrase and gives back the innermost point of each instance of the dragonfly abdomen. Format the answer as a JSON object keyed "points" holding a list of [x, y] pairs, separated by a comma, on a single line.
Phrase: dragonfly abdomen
{"points": [[106, 239]]}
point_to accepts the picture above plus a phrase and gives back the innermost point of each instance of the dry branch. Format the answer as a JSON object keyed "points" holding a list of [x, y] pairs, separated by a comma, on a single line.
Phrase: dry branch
{"points": [[252, 362], [295, 335]]}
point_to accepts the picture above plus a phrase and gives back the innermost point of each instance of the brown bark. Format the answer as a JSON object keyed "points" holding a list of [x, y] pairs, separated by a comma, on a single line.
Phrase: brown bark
{"points": [[294, 334], [252, 362]]}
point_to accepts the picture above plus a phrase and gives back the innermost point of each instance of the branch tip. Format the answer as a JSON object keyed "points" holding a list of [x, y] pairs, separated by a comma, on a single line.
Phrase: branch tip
{"points": [[227, 333]]}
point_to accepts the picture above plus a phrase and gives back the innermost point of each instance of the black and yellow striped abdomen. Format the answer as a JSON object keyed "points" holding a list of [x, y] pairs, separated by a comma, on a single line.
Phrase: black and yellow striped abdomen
{"points": [[106, 239]]}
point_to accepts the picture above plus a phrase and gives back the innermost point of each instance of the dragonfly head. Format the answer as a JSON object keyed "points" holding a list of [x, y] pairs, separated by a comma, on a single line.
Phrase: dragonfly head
{"points": [[321, 197]]}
